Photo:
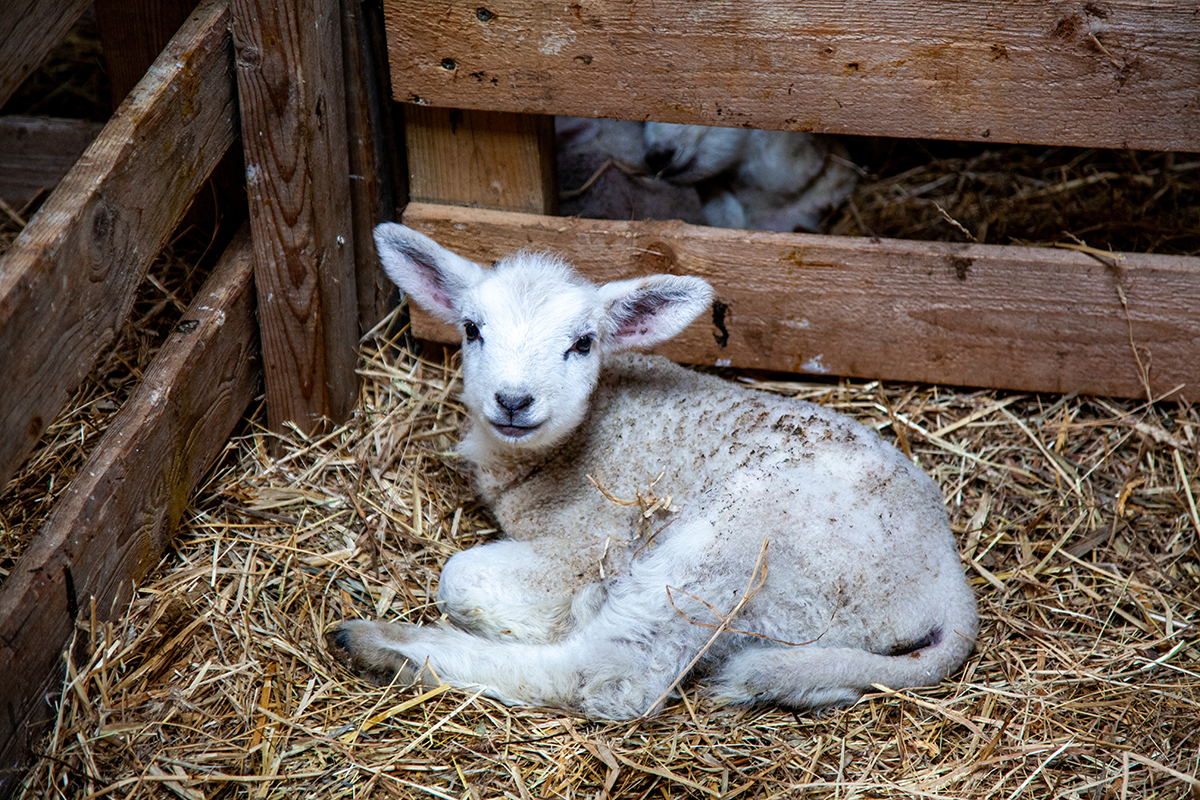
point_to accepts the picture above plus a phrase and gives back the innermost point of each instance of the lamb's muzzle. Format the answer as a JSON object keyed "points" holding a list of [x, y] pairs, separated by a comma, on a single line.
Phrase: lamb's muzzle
{"points": [[636, 496]]}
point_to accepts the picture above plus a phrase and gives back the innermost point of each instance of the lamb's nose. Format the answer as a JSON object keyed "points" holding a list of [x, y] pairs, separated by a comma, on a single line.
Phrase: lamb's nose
{"points": [[514, 402], [659, 158]]}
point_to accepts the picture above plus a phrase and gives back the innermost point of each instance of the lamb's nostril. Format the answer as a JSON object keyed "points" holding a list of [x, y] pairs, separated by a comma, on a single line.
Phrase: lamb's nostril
{"points": [[659, 158], [514, 402]]}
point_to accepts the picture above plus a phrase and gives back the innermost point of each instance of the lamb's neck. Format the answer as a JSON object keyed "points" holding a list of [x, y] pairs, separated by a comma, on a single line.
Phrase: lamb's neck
{"points": [[496, 469]]}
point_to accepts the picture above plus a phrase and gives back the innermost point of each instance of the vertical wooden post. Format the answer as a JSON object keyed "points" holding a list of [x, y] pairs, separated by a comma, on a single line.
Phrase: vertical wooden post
{"points": [[291, 85], [133, 33], [373, 176], [481, 158]]}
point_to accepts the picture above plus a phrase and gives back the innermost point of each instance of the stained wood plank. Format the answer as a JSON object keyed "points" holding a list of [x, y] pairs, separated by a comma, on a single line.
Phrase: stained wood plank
{"points": [[977, 315], [290, 81], [481, 158], [372, 149], [117, 517], [133, 33], [69, 279], [29, 30], [1116, 73], [36, 152]]}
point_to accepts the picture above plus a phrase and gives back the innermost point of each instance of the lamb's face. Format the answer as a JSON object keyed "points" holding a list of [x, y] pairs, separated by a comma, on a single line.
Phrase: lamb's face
{"points": [[532, 347], [687, 154], [533, 331]]}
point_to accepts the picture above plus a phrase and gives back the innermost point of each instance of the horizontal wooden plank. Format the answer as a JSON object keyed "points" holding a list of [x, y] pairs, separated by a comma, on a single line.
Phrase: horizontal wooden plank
{"points": [[976, 315], [1117, 73], [36, 152], [29, 30], [118, 515], [68, 281]]}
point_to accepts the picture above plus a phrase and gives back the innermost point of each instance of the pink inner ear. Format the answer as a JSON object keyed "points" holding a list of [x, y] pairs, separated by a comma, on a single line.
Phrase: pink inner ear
{"points": [[632, 329], [639, 316]]}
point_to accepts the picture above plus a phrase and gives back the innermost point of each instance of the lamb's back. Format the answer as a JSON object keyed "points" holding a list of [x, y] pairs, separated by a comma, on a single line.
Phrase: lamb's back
{"points": [[651, 417]]}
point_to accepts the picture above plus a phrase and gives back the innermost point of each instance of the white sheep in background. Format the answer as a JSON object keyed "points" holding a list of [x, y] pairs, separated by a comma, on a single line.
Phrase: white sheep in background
{"points": [[723, 177], [781, 552], [601, 174], [753, 179]]}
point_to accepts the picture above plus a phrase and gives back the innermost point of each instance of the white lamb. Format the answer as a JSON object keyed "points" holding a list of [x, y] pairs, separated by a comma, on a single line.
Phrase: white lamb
{"points": [[780, 552], [753, 179]]}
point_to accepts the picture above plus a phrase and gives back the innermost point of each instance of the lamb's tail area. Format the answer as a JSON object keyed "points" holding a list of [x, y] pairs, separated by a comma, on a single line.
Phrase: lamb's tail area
{"points": [[811, 676]]}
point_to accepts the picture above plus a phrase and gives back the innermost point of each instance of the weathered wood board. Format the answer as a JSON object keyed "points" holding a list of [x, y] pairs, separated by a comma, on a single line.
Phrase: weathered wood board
{"points": [[976, 315], [122, 509], [36, 152], [69, 279], [29, 30], [482, 159], [293, 114], [1111, 73], [132, 33], [372, 152]]}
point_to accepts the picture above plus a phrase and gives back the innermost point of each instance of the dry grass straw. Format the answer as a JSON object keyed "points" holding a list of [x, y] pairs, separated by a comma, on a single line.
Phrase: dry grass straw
{"points": [[1077, 519], [1127, 200], [1078, 527], [27, 500]]}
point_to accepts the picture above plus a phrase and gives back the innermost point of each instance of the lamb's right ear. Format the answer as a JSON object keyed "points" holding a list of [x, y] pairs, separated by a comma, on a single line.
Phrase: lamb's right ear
{"points": [[429, 273]]}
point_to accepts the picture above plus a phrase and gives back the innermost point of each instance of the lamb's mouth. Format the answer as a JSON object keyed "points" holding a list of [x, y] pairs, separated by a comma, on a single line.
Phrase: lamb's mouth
{"points": [[515, 431]]}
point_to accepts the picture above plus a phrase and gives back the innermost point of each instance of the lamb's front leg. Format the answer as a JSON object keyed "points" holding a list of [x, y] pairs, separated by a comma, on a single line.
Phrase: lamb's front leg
{"points": [[514, 672], [608, 669], [606, 678], [508, 590]]}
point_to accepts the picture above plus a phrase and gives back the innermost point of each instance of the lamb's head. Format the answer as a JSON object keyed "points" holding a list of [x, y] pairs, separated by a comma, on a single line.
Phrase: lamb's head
{"points": [[687, 154], [534, 333]]}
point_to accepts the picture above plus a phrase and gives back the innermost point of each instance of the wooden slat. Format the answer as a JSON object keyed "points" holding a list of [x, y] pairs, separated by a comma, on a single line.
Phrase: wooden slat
{"points": [[372, 143], [115, 520], [290, 81], [36, 152], [133, 33], [68, 282], [1117, 73], [482, 159], [978, 315], [29, 30]]}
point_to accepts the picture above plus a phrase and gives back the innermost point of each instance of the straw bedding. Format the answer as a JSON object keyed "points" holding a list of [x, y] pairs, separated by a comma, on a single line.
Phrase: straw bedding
{"points": [[1078, 525], [1076, 516]]}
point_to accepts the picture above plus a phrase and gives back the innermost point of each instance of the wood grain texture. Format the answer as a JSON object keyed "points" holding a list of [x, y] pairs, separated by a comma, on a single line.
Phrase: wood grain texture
{"points": [[977, 315], [1111, 73], [36, 152], [29, 30], [290, 82], [481, 158], [117, 517], [68, 281], [133, 33], [372, 147]]}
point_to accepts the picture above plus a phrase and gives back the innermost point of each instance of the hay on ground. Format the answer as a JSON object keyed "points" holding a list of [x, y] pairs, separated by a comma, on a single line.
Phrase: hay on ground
{"points": [[1078, 528]]}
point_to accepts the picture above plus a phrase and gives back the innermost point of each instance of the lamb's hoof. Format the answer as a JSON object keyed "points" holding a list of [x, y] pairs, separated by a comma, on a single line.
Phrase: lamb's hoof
{"points": [[364, 648]]}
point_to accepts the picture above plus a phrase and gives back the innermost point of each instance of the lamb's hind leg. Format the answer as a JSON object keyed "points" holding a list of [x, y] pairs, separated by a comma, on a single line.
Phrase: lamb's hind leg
{"points": [[811, 676]]}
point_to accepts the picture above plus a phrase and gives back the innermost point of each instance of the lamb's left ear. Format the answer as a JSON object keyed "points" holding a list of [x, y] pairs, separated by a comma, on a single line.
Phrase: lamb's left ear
{"points": [[641, 312]]}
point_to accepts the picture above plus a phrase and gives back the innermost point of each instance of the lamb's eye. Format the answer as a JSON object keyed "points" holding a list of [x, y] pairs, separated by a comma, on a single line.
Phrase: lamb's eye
{"points": [[583, 345], [471, 330]]}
